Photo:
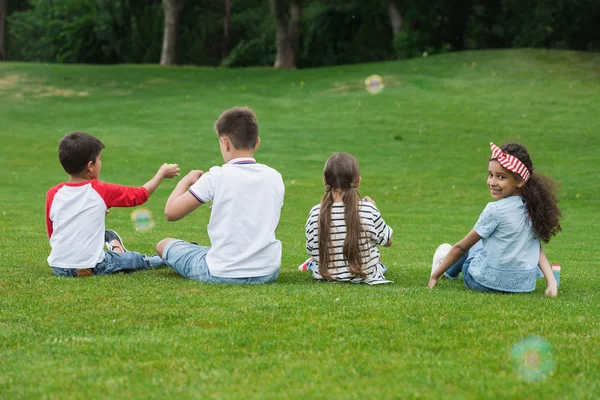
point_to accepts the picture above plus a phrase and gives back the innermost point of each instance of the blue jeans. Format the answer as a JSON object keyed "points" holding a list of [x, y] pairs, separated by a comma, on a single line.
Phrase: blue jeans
{"points": [[117, 262], [462, 265], [189, 261]]}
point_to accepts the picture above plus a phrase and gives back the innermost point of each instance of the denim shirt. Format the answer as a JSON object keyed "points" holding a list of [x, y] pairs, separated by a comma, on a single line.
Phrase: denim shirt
{"points": [[511, 249]]}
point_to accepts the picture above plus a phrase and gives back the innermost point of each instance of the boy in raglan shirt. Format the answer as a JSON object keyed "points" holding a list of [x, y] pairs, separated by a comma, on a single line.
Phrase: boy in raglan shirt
{"points": [[75, 212]]}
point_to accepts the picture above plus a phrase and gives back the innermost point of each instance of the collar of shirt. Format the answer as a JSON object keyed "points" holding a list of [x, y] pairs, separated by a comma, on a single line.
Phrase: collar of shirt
{"points": [[242, 160]]}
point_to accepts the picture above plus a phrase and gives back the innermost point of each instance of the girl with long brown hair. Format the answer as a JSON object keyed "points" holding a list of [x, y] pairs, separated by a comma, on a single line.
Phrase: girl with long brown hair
{"points": [[503, 252], [343, 231]]}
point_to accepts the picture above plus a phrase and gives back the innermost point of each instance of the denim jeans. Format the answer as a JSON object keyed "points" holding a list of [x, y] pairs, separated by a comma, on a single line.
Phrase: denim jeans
{"points": [[117, 262], [462, 265], [189, 261]]}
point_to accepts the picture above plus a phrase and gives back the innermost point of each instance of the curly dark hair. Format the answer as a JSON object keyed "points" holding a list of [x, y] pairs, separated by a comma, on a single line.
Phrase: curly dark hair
{"points": [[538, 192]]}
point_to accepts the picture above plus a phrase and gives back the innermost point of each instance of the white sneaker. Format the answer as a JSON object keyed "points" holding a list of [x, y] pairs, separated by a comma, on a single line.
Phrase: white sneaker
{"points": [[440, 253]]}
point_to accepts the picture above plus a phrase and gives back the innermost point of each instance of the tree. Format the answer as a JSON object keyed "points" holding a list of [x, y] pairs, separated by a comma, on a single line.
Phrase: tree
{"points": [[226, 19], [172, 10], [395, 17], [3, 8], [458, 13], [287, 32]]}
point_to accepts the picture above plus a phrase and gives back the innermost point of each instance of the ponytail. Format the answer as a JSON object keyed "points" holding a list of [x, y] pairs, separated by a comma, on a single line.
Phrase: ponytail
{"points": [[324, 233], [354, 230], [542, 206], [341, 173]]}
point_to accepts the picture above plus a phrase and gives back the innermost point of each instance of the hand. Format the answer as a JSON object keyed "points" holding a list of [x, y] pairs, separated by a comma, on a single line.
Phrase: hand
{"points": [[169, 170], [432, 283], [552, 291], [107, 212], [192, 176], [370, 200]]}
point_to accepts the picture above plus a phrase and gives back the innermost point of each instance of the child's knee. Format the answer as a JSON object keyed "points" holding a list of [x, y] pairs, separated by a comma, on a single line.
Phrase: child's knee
{"points": [[160, 246]]}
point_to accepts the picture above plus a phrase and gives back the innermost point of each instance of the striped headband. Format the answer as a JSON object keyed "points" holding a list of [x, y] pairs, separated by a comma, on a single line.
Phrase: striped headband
{"points": [[509, 162]]}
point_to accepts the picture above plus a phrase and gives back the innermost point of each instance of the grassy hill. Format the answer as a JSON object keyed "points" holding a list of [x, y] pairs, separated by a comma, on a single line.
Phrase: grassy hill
{"points": [[422, 145]]}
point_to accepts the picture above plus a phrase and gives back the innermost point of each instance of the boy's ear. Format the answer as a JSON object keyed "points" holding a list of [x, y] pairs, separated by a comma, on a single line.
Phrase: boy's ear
{"points": [[89, 166], [257, 144], [225, 142]]}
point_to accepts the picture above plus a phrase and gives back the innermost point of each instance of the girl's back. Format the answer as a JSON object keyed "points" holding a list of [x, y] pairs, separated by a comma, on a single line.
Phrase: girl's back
{"points": [[511, 249], [374, 232]]}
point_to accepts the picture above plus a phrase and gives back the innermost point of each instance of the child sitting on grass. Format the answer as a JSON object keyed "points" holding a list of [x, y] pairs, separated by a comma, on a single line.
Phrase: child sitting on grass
{"points": [[343, 231], [502, 252], [246, 204], [75, 212]]}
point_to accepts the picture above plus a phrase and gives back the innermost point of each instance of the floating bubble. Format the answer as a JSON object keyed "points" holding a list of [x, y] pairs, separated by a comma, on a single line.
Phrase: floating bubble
{"points": [[142, 219], [533, 359], [374, 84]]}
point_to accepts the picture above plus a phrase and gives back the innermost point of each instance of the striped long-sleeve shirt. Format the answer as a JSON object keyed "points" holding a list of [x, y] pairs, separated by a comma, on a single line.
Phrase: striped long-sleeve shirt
{"points": [[375, 232]]}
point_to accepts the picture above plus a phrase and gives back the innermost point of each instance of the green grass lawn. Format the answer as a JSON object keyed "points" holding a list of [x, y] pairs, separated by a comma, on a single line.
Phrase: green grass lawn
{"points": [[422, 145]]}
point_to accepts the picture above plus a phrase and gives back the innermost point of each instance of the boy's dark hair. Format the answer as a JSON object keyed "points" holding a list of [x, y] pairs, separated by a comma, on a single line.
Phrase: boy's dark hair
{"points": [[240, 126], [538, 192], [76, 150]]}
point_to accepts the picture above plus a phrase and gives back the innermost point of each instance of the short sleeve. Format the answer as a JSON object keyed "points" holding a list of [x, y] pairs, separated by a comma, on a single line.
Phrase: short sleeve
{"points": [[381, 231], [487, 222], [204, 188]]}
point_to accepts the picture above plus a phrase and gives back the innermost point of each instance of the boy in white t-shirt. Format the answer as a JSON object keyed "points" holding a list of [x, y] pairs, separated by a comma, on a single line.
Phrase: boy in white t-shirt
{"points": [[246, 204], [75, 212]]}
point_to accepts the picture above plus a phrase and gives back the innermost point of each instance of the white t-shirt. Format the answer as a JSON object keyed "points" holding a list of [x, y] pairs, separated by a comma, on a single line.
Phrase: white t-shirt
{"points": [[75, 220], [247, 199]]}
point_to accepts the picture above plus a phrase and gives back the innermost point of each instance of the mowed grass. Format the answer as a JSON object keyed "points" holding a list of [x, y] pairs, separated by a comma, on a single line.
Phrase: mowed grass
{"points": [[422, 145]]}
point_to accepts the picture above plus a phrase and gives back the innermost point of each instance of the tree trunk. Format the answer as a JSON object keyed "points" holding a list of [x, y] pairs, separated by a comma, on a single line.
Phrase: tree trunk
{"points": [[458, 19], [226, 29], [395, 17], [3, 8], [172, 10], [287, 32], [294, 26]]}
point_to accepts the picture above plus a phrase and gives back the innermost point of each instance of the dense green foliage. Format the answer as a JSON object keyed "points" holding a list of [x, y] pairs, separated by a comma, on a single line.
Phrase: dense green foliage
{"points": [[333, 32], [422, 145]]}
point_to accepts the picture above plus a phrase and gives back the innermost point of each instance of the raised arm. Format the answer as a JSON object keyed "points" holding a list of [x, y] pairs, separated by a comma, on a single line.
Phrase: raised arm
{"points": [[181, 202], [457, 251], [552, 290], [165, 171]]}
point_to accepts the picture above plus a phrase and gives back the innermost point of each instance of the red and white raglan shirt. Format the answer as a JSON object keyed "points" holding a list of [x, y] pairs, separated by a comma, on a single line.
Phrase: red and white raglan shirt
{"points": [[75, 220]]}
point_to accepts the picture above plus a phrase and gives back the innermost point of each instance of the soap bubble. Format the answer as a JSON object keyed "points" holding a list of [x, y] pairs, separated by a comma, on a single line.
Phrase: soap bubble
{"points": [[142, 219], [374, 84], [533, 359]]}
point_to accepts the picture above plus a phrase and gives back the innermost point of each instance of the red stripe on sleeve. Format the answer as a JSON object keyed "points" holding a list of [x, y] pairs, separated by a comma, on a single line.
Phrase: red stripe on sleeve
{"points": [[49, 199], [120, 196]]}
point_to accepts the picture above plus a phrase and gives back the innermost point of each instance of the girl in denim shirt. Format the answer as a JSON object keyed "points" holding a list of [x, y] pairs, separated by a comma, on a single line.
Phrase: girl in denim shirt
{"points": [[503, 253]]}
